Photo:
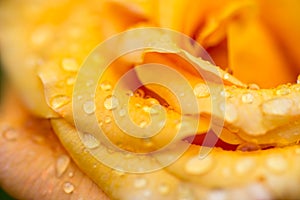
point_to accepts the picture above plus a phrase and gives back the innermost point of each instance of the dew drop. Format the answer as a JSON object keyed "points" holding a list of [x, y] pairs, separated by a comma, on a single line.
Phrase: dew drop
{"points": [[62, 164], [201, 90], [253, 86], [248, 146], [276, 163], [89, 107], [105, 86], [68, 187], [140, 183], [59, 101], [107, 119], [247, 98], [226, 76], [90, 141], [199, 166], [279, 106], [10, 134], [298, 79], [111, 102], [70, 64], [164, 188]]}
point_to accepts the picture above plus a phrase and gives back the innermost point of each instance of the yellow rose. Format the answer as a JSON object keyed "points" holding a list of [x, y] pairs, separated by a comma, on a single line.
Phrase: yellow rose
{"points": [[44, 46]]}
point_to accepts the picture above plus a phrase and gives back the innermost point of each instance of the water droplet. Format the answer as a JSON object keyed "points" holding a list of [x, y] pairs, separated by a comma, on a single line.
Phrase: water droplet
{"points": [[279, 106], [107, 119], [247, 98], [62, 164], [244, 165], [10, 134], [253, 86], [59, 101], [276, 163], [298, 79], [140, 183], [226, 76], [283, 91], [111, 102], [201, 90], [248, 146], [89, 107], [71, 80], [70, 64], [90, 141], [105, 86], [122, 112], [198, 166], [94, 166], [68, 187], [164, 188]]}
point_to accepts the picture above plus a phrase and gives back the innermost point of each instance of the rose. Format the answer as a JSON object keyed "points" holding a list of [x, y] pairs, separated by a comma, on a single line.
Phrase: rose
{"points": [[56, 82]]}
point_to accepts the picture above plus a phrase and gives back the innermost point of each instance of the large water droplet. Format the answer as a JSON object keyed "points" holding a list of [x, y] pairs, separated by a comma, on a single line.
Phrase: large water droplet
{"points": [[70, 64], [89, 107], [58, 101], [62, 164], [68, 187], [201, 90], [111, 102], [90, 141]]}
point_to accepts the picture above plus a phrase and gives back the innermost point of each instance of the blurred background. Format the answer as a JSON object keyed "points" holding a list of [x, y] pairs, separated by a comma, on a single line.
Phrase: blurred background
{"points": [[3, 195]]}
